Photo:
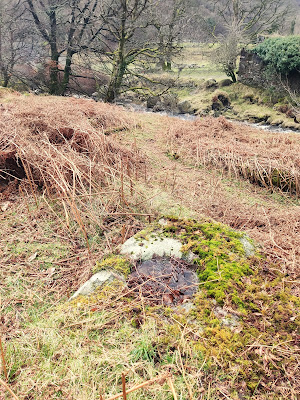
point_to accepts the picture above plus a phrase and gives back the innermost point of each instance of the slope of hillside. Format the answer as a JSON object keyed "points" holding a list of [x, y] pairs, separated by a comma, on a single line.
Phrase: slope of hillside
{"points": [[78, 178]]}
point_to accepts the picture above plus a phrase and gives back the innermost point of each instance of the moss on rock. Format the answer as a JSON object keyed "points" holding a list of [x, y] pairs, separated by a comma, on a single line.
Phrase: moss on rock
{"points": [[117, 263], [220, 254]]}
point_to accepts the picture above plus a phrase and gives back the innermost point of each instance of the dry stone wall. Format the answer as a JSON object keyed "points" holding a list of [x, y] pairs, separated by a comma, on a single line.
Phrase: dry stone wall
{"points": [[254, 72]]}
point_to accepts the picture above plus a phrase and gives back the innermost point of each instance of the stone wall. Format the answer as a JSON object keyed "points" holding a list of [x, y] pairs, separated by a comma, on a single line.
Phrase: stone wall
{"points": [[254, 72]]}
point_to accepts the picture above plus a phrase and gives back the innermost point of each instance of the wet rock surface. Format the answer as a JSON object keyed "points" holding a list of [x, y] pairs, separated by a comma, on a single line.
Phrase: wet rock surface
{"points": [[164, 280]]}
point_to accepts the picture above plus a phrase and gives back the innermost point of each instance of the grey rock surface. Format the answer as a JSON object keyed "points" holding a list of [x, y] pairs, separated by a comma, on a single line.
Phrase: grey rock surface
{"points": [[228, 319], [225, 82], [97, 280], [185, 107], [142, 249], [248, 246]]}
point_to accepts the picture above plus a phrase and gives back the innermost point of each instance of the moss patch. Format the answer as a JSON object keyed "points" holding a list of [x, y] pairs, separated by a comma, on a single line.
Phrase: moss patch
{"points": [[117, 263], [218, 254]]}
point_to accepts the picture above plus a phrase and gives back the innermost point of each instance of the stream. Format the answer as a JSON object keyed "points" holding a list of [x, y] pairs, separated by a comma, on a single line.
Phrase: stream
{"points": [[133, 107]]}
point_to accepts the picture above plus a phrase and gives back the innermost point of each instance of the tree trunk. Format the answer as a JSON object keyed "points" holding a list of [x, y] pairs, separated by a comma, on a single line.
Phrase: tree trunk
{"points": [[54, 72], [116, 81], [67, 73], [162, 62], [232, 75], [54, 88], [6, 78], [119, 64]]}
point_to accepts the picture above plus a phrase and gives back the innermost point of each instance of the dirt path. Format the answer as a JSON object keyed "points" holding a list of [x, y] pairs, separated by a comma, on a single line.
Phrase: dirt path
{"points": [[273, 220]]}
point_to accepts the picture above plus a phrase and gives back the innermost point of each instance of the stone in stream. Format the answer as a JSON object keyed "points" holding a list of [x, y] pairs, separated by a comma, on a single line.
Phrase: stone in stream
{"points": [[152, 101], [185, 107]]}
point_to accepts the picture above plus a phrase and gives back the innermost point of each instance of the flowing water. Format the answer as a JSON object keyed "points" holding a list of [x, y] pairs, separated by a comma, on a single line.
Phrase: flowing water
{"points": [[191, 117]]}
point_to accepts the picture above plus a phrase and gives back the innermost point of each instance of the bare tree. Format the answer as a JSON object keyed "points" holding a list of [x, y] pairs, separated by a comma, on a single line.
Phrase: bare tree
{"points": [[226, 54], [241, 22], [15, 42], [126, 40], [168, 19], [68, 27], [251, 18]]}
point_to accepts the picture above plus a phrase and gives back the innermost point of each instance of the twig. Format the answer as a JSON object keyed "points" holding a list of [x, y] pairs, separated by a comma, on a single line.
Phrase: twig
{"points": [[133, 389], [2, 352], [124, 387], [184, 377], [3, 360], [225, 395], [8, 389], [170, 382]]}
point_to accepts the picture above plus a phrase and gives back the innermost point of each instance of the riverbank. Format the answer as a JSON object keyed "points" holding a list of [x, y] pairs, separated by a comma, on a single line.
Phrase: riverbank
{"points": [[199, 87], [142, 108], [236, 102]]}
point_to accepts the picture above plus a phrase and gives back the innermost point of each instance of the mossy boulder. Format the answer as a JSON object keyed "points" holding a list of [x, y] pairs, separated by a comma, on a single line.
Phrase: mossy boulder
{"points": [[152, 101], [185, 107], [257, 117], [210, 84], [219, 254], [225, 82], [220, 100]]}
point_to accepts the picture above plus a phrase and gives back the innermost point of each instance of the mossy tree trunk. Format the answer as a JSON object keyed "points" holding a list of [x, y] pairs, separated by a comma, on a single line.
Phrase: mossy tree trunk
{"points": [[119, 68]]}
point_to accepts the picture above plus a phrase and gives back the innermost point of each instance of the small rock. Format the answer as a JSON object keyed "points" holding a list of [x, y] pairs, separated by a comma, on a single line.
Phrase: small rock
{"points": [[185, 107], [186, 307], [210, 83], [159, 107], [248, 246], [228, 319], [225, 82], [5, 206], [97, 280], [152, 101]]}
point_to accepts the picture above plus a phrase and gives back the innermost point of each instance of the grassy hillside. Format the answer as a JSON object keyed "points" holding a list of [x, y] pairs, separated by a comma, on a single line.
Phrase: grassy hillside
{"points": [[77, 178]]}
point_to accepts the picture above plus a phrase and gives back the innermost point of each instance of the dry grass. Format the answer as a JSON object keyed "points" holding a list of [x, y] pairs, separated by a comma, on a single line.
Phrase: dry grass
{"points": [[271, 161], [61, 148]]}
